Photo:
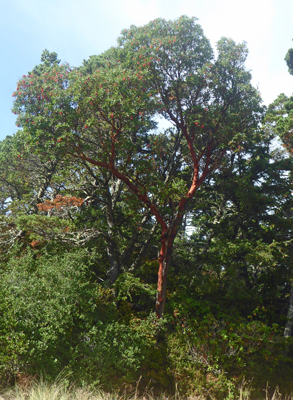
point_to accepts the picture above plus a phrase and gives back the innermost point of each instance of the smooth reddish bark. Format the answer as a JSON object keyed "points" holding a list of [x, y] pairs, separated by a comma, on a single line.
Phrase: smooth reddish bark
{"points": [[169, 232], [168, 235]]}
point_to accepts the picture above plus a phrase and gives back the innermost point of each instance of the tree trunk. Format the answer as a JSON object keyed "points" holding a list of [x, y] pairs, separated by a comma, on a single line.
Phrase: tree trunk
{"points": [[167, 240], [112, 252], [289, 322], [114, 270], [164, 262]]}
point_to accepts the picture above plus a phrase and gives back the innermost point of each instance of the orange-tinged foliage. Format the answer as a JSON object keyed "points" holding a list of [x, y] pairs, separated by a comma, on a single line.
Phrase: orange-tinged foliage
{"points": [[35, 243], [60, 202]]}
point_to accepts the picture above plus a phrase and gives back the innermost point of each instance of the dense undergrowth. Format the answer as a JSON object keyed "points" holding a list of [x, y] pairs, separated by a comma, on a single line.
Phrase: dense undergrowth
{"points": [[56, 317]]}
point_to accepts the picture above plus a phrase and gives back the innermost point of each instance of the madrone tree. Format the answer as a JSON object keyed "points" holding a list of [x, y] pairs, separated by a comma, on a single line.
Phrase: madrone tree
{"points": [[106, 119]]}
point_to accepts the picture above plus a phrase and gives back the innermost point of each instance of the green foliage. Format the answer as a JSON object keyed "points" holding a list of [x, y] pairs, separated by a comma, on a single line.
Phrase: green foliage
{"points": [[50, 301], [48, 60], [209, 342], [279, 118], [88, 183], [55, 316], [289, 61], [117, 353], [128, 286]]}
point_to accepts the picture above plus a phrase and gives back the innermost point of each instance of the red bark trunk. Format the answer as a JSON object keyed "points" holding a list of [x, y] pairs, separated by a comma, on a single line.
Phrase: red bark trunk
{"points": [[167, 241], [168, 233]]}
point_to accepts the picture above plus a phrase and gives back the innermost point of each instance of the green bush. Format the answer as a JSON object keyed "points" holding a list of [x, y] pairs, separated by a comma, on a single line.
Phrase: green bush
{"points": [[49, 302], [55, 316]]}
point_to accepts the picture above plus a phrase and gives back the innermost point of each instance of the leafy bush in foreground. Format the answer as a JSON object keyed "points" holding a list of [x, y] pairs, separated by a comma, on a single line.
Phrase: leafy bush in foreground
{"points": [[55, 316]]}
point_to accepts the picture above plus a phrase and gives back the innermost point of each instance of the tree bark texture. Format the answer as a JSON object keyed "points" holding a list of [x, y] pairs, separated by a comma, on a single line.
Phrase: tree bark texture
{"points": [[289, 322]]}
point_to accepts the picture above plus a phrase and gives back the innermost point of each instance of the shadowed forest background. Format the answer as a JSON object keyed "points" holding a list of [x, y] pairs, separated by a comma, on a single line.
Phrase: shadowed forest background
{"points": [[146, 220]]}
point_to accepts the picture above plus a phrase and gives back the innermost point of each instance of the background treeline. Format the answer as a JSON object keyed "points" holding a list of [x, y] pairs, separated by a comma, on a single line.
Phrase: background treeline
{"points": [[80, 243]]}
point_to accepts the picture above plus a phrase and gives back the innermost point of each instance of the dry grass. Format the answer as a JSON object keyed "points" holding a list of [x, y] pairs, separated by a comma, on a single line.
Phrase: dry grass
{"points": [[57, 391], [62, 391]]}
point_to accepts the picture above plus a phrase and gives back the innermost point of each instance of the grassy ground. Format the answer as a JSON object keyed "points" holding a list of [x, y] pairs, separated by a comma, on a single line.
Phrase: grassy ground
{"points": [[62, 391]]}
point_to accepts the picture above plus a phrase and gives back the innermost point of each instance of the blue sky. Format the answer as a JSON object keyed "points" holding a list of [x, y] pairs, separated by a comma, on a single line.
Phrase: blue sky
{"points": [[76, 29]]}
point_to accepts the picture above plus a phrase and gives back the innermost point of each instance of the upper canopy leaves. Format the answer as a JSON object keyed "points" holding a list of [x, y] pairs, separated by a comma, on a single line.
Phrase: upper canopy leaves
{"points": [[106, 116], [212, 98]]}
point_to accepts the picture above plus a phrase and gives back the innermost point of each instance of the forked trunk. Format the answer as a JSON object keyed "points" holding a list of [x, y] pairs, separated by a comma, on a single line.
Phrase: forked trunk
{"points": [[169, 233]]}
